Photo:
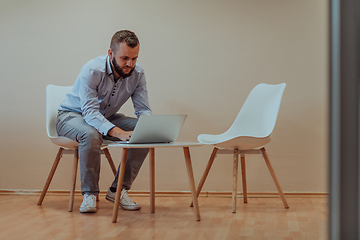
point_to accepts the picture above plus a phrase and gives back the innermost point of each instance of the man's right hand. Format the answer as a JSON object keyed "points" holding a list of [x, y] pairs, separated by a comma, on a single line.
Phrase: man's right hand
{"points": [[121, 134]]}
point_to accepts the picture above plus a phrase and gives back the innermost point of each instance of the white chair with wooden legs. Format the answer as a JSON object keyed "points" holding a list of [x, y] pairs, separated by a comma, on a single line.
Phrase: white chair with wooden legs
{"points": [[54, 96], [251, 130]]}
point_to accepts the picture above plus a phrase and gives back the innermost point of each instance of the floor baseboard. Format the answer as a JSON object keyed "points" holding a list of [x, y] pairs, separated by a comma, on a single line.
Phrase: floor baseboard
{"points": [[170, 193]]}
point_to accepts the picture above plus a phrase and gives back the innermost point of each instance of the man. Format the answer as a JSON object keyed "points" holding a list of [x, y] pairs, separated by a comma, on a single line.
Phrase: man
{"points": [[89, 113]]}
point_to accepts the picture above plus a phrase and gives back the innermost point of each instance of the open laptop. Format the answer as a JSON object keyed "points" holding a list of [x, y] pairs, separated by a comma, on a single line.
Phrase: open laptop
{"points": [[156, 129]]}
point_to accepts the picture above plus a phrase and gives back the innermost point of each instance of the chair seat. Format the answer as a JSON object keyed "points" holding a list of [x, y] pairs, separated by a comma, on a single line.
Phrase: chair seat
{"points": [[241, 143], [65, 142], [71, 144]]}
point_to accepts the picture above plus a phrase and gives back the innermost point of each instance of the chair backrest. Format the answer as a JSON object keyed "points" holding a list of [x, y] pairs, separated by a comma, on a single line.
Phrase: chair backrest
{"points": [[54, 96], [258, 115]]}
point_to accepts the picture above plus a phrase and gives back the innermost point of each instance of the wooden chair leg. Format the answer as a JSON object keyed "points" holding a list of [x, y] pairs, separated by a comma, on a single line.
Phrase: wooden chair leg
{"points": [[206, 172], [110, 160], [272, 173], [152, 179], [72, 191], [243, 174], [235, 178], [119, 185], [51, 175]]}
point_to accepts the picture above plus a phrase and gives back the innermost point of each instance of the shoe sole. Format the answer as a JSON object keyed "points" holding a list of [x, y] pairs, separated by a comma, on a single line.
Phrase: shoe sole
{"points": [[88, 210], [110, 199]]}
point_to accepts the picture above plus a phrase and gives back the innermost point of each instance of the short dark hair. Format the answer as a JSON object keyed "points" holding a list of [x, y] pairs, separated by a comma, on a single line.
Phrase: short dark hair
{"points": [[126, 36]]}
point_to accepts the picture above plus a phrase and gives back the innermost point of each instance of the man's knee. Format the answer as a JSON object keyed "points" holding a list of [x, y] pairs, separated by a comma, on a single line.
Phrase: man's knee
{"points": [[91, 137]]}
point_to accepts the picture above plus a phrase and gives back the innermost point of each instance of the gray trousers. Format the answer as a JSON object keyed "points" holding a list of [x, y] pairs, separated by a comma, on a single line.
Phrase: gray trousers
{"points": [[72, 125]]}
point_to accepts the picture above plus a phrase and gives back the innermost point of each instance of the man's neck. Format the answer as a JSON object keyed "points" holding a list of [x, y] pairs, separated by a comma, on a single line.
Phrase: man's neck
{"points": [[116, 75]]}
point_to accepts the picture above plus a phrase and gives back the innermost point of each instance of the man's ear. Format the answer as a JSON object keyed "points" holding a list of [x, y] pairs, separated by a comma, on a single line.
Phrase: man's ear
{"points": [[110, 53]]}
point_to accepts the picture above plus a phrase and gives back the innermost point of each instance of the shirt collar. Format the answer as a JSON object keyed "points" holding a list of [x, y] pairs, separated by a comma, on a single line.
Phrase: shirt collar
{"points": [[108, 67]]}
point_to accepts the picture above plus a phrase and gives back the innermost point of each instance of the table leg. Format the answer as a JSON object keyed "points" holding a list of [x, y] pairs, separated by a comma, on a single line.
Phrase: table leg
{"points": [[119, 185], [191, 182], [152, 179], [206, 172]]}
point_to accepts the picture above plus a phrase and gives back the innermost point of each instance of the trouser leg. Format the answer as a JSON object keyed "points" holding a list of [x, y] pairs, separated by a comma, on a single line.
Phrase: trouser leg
{"points": [[135, 156], [134, 161], [72, 125]]}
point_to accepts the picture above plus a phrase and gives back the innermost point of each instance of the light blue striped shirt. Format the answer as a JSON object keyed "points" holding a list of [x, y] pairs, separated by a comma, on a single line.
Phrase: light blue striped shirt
{"points": [[96, 95]]}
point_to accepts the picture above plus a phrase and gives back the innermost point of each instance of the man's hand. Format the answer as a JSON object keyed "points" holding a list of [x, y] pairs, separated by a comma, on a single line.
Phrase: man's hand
{"points": [[121, 134]]}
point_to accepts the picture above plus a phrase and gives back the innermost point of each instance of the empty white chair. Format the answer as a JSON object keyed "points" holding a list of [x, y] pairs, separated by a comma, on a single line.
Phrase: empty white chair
{"points": [[54, 96], [251, 129]]}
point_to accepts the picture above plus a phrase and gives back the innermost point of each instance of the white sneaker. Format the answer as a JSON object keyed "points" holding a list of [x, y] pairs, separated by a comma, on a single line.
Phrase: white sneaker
{"points": [[125, 202], [89, 204]]}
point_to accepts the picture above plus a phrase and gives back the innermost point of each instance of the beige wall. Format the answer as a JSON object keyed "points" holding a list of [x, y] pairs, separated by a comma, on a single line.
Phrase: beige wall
{"points": [[201, 57]]}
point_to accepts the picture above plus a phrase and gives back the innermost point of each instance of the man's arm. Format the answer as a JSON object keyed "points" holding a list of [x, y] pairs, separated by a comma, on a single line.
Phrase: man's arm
{"points": [[140, 98]]}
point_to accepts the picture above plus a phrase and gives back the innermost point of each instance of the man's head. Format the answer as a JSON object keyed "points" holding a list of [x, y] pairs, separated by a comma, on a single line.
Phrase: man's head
{"points": [[123, 52]]}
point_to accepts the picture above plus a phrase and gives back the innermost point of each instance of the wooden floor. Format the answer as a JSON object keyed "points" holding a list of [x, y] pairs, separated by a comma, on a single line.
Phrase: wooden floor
{"points": [[260, 218]]}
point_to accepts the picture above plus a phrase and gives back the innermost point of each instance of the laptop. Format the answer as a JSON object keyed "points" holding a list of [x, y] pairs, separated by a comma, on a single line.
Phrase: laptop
{"points": [[156, 129]]}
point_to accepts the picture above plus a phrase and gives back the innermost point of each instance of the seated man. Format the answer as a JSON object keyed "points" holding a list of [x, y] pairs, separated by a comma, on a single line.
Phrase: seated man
{"points": [[89, 113]]}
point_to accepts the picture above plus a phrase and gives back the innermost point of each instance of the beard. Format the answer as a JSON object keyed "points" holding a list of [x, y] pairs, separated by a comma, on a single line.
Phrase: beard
{"points": [[119, 70]]}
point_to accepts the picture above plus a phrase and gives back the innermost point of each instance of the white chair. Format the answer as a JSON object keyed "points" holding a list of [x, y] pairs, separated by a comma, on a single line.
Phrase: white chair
{"points": [[54, 96], [251, 129]]}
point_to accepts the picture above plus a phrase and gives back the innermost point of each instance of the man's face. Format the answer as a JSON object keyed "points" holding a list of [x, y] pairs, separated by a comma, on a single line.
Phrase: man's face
{"points": [[124, 59]]}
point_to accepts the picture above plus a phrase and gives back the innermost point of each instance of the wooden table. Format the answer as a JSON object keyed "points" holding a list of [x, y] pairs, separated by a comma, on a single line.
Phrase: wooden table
{"points": [[152, 146]]}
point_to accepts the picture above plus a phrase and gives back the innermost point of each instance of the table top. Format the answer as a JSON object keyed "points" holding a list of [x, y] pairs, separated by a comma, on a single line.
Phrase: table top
{"points": [[155, 145]]}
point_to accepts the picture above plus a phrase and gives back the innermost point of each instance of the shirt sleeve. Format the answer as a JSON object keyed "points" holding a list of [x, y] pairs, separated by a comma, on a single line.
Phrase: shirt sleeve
{"points": [[90, 107], [140, 98]]}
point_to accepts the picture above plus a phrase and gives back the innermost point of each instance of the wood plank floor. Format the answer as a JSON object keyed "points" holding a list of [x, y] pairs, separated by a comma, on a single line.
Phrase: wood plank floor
{"points": [[260, 218]]}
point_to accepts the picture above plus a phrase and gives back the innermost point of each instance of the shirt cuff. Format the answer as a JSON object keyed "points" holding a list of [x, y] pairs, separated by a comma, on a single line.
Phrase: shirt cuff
{"points": [[146, 112], [106, 127]]}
